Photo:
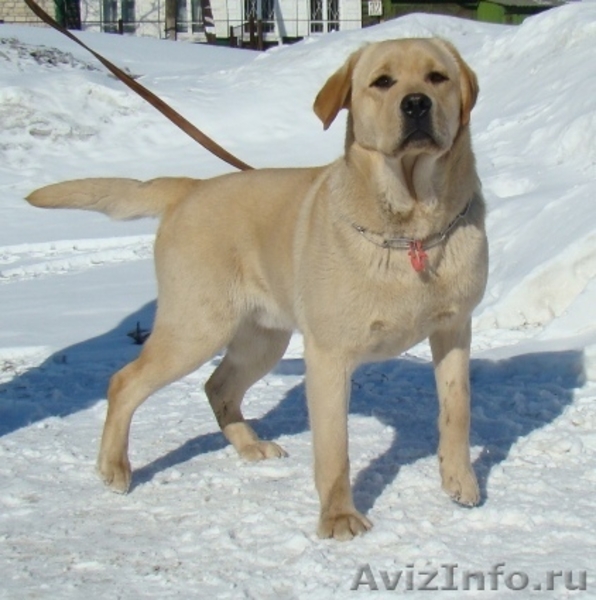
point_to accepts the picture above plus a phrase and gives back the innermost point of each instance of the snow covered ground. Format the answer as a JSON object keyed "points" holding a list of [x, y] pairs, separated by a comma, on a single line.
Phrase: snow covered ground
{"points": [[200, 523]]}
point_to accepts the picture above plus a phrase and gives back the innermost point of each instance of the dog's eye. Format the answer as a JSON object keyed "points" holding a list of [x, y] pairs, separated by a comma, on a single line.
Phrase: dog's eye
{"points": [[435, 77], [384, 82]]}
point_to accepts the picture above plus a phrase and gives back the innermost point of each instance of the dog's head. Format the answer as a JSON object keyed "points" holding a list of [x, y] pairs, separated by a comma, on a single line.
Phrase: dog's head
{"points": [[404, 96]]}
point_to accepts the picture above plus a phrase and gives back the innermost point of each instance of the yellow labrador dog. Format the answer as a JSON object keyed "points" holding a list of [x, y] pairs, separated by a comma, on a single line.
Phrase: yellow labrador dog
{"points": [[366, 256]]}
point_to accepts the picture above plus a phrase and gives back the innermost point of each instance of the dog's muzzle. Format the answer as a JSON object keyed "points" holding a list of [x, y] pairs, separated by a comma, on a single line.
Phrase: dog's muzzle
{"points": [[416, 112]]}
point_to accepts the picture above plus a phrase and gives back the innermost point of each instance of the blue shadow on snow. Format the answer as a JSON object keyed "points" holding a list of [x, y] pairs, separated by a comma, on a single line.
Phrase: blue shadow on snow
{"points": [[511, 398]]}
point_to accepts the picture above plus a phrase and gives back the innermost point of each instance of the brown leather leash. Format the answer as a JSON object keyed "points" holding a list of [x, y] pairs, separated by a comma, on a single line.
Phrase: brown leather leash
{"points": [[165, 109]]}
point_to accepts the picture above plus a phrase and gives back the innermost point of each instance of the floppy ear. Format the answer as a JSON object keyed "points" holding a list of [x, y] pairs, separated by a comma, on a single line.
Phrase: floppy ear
{"points": [[468, 82], [469, 91], [336, 92]]}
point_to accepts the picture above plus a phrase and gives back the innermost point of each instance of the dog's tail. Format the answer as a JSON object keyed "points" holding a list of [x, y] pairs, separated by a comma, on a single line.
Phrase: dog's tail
{"points": [[117, 198]]}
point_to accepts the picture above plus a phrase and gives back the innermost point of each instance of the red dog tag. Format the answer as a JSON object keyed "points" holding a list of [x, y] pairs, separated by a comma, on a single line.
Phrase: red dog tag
{"points": [[418, 256]]}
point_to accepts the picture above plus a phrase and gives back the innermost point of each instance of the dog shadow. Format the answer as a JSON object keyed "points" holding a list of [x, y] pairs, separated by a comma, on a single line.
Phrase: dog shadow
{"points": [[70, 380], [510, 399]]}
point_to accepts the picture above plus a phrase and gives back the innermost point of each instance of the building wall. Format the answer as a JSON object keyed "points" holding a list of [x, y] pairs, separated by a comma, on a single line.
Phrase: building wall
{"points": [[149, 17], [292, 18], [91, 15], [16, 11], [350, 14]]}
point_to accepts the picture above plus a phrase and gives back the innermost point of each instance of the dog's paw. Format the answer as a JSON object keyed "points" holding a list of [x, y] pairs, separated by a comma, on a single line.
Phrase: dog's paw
{"points": [[462, 487], [344, 526], [261, 450], [116, 475]]}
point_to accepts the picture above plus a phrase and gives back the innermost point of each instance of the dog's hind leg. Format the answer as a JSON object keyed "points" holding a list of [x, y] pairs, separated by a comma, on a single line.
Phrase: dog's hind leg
{"points": [[168, 354], [251, 354]]}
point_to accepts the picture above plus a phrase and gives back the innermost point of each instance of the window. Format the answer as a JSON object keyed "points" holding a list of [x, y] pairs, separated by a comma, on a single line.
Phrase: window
{"points": [[68, 13], [324, 16], [110, 16], [184, 8], [261, 10], [181, 16], [128, 16], [332, 15], [196, 12]]}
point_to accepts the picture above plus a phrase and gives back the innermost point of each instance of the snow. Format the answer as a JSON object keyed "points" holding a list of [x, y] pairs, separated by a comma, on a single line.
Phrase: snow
{"points": [[199, 522]]}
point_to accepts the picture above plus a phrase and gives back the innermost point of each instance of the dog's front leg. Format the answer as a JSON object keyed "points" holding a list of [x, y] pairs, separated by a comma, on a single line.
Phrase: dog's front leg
{"points": [[451, 356], [328, 393]]}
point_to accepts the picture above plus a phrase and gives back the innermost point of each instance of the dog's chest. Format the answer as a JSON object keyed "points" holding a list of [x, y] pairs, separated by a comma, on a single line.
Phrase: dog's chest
{"points": [[374, 303], [401, 307], [400, 316]]}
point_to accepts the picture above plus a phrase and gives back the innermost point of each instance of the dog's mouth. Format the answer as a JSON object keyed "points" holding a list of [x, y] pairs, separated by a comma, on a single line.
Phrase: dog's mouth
{"points": [[418, 137]]}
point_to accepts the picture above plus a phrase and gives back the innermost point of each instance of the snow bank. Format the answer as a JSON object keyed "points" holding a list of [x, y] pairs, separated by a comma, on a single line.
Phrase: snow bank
{"points": [[199, 522]]}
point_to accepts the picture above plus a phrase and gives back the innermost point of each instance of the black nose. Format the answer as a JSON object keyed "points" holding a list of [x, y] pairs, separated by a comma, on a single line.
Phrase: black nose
{"points": [[416, 106]]}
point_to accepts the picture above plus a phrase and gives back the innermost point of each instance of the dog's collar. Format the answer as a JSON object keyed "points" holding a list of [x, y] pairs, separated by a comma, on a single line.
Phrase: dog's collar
{"points": [[416, 248]]}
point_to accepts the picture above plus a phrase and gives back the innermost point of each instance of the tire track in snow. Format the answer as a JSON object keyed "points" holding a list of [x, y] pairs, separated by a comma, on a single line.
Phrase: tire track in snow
{"points": [[33, 261]]}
